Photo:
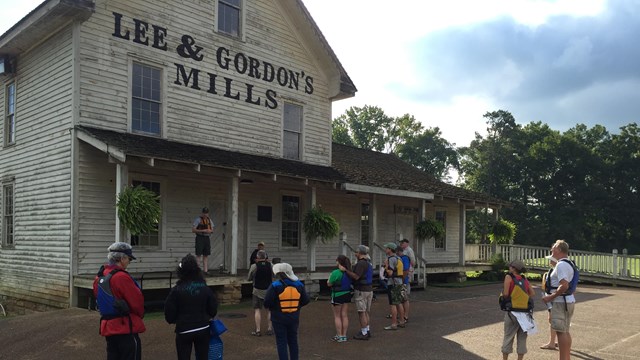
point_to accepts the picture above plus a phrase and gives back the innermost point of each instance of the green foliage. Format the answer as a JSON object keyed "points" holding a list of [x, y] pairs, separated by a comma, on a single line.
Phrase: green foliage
{"points": [[503, 232], [497, 262], [370, 128], [319, 224], [429, 228], [138, 209]]}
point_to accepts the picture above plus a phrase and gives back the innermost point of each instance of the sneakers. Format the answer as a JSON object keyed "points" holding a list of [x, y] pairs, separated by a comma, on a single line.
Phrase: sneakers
{"points": [[391, 327], [341, 339], [256, 333], [359, 336]]}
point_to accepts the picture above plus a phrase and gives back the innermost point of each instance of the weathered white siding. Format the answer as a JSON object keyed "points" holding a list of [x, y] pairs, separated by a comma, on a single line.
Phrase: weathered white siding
{"points": [[183, 194], [37, 268], [197, 116]]}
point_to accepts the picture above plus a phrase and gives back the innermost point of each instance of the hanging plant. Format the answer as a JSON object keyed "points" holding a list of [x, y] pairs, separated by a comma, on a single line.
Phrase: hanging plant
{"points": [[319, 224], [502, 232], [138, 209], [429, 228]]}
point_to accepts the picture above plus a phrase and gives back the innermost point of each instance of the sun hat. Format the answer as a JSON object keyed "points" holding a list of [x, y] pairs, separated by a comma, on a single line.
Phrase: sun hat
{"points": [[285, 269], [518, 265]]}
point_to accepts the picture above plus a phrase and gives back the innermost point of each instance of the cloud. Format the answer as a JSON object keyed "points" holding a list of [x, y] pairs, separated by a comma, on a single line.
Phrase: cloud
{"points": [[565, 71]]}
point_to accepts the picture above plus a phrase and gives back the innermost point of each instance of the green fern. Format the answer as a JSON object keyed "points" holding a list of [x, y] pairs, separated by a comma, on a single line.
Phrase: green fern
{"points": [[138, 209], [319, 224]]}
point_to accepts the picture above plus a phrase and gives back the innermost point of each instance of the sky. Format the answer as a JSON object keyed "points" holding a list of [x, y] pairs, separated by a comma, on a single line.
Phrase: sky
{"points": [[447, 63]]}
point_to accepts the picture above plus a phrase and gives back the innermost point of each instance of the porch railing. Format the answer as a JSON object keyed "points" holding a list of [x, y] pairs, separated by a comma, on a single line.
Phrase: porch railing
{"points": [[613, 265]]}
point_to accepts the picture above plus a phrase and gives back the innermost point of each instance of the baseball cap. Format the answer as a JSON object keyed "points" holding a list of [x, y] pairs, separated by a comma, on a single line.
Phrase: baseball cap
{"points": [[205, 210], [391, 246], [517, 264], [127, 252], [551, 258], [285, 269]]}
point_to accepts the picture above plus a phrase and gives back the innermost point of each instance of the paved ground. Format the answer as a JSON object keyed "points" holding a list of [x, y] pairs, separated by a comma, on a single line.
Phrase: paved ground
{"points": [[446, 323]]}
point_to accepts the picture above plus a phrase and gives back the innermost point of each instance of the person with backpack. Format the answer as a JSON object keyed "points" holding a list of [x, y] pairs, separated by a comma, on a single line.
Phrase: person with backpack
{"points": [[546, 279], [261, 274], [191, 305], [517, 295], [340, 284], [284, 298], [362, 276], [203, 228], [563, 282], [121, 305], [394, 273]]}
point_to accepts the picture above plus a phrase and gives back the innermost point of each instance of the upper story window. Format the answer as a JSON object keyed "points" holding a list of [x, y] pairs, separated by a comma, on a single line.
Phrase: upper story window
{"points": [[292, 131], [152, 239], [229, 15], [7, 215], [290, 221], [441, 242], [10, 114], [146, 99]]}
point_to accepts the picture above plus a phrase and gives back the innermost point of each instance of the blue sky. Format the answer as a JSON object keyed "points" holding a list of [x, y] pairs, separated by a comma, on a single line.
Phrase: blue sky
{"points": [[448, 62]]}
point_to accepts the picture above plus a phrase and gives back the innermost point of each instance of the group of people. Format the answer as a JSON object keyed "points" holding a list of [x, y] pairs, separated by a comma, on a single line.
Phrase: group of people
{"points": [[191, 305], [558, 286]]}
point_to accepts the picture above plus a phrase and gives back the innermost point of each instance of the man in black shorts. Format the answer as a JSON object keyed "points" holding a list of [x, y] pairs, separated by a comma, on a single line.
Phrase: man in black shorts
{"points": [[203, 227]]}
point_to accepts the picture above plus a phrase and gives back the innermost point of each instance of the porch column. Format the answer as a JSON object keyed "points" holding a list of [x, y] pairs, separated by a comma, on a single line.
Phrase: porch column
{"points": [[373, 226], [122, 174], [463, 232], [311, 250], [423, 216], [234, 225]]}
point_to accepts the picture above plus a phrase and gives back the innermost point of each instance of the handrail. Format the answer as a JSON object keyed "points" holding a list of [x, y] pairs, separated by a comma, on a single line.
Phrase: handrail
{"points": [[421, 263]]}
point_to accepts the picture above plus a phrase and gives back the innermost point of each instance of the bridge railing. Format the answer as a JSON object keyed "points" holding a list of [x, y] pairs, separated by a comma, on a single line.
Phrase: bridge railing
{"points": [[612, 264]]}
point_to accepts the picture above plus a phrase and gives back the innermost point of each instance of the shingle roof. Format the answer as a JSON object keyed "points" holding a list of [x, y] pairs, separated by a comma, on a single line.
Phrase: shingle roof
{"points": [[366, 167], [349, 164], [146, 146]]}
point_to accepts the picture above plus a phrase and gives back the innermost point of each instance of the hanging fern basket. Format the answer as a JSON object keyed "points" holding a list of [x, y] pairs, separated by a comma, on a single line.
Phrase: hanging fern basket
{"points": [[502, 232], [138, 209], [429, 228], [319, 224]]}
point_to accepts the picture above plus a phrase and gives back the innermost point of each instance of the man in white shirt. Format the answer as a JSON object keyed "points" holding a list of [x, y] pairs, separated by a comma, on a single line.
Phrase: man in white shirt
{"points": [[563, 302]]}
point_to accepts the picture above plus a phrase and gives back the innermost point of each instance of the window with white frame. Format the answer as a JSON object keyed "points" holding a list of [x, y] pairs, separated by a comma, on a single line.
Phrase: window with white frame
{"points": [[10, 114], [146, 99], [441, 242], [7, 215], [229, 17], [292, 131], [364, 224], [290, 235], [152, 239]]}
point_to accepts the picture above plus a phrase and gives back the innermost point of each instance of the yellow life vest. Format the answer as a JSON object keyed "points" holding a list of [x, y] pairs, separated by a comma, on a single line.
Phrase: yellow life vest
{"points": [[289, 299]]}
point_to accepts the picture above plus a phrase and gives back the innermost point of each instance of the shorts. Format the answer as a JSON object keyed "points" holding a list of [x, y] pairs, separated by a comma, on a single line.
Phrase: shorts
{"points": [[363, 300], [203, 245], [397, 294], [258, 303], [342, 299], [561, 316]]}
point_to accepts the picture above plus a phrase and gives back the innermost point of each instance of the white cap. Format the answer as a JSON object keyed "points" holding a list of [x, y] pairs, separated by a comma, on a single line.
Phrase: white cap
{"points": [[286, 269], [551, 258]]}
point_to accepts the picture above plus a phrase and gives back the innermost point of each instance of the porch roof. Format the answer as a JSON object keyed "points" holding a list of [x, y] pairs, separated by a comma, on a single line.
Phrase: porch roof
{"points": [[120, 145]]}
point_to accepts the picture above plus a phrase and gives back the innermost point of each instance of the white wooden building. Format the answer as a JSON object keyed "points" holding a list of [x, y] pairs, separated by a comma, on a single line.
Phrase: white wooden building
{"points": [[218, 103]]}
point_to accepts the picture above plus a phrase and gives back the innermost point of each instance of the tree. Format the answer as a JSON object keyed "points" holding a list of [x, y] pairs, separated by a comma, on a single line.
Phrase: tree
{"points": [[370, 128]]}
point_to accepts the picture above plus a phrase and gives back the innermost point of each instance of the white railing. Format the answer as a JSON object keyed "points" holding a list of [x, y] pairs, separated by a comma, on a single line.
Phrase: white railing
{"points": [[612, 265]]}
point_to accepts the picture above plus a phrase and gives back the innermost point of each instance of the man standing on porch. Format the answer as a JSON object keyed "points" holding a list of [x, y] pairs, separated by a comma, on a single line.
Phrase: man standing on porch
{"points": [[203, 227], [563, 302]]}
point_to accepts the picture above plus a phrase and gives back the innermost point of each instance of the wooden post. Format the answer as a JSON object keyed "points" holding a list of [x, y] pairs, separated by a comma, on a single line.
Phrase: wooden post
{"points": [[616, 270], [234, 225], [625, 268]]}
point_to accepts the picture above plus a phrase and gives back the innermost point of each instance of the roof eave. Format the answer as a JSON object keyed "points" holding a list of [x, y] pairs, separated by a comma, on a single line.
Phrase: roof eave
{"points": [[44, 20]]}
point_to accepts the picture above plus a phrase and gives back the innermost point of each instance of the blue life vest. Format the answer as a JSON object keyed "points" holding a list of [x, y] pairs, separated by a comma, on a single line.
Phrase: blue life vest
{"points": [[345, 283], [109, 306], [406, 264], [573, 284], [368, 276]]}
